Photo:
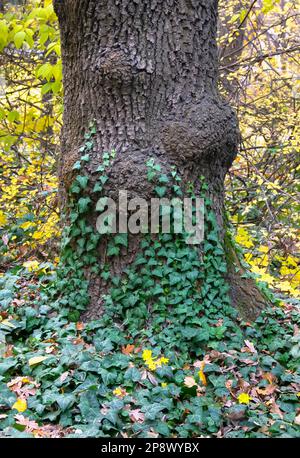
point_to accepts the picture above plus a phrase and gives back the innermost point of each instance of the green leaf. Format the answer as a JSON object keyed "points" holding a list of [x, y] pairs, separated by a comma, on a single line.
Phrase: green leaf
{"points": [[160, 190], [83, 181], [83, 204], [163, 179], [19, 39], [77, 166], [132, 374], [65, 401], [113, 251], [189, 332], [121, 239], [98, 187], [152, 411]]}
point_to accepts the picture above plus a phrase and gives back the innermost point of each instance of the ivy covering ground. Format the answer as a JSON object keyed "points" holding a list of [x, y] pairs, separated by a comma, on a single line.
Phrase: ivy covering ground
{"points": [[217, 376], [169, 357]]}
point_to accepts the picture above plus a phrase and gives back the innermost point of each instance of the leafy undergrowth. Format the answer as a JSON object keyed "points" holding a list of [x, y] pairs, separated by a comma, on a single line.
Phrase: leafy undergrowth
{"points": [[65, 379]]}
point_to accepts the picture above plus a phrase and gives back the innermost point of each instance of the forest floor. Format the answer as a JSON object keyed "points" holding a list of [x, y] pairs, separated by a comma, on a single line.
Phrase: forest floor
{"points": [[60, 378]]}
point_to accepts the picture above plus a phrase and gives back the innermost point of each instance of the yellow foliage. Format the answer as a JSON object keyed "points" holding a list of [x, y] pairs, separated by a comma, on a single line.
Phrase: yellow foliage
{"points": [[244, 398], [20, 405]]}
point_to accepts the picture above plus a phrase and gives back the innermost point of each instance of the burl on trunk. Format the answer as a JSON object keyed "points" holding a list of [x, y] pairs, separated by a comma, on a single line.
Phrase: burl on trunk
{"points": [[146, 72]]}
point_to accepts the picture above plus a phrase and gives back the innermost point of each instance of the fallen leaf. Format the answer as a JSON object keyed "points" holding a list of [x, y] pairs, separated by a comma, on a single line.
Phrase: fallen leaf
{"points": [[266, 391], [63, 376], [152, 379], [7, 323], [202, 378], [274, 407], [5, 239], [190, 382], [128, 349], [244, 398], [36, 360], [269, 377], [31, 425], [201, 373], [20, 405], [297, 420], [79, 326], [9, 351], [136, 416], [250, 346], [120, 392]]}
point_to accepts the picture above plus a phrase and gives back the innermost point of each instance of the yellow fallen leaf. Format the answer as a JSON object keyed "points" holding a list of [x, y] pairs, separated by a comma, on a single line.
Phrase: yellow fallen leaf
{"points": [[8, 323], [120, 392], [202, 378], [244, 398], [36, 360], [147, 354], [201, 373], [3, 219], [20, 405]]}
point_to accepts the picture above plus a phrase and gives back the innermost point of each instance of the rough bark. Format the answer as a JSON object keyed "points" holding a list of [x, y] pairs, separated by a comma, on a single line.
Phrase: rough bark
{"points": [[146, 72]]}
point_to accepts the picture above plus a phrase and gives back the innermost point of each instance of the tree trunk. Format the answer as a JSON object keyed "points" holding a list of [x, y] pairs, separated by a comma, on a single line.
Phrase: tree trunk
{"points": [[146, 73]]}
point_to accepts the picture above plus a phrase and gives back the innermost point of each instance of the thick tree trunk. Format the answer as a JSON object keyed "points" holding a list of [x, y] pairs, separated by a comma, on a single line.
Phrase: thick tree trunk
{"points": [[146, 73]]}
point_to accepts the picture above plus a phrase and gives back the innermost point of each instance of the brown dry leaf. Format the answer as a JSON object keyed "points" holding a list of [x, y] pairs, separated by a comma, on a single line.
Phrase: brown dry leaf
{"points": [[152, 379], [200, 390], [266, 391], [216, 355], [137, 416], [18, 302], [128, 349], [79, 326], [243, 385], [274, 407], [78, 341], [8, 351], [249, 362], [19, 385], [31, 425], [249, 347], [269, 377], [144, 375], [228, 384]]}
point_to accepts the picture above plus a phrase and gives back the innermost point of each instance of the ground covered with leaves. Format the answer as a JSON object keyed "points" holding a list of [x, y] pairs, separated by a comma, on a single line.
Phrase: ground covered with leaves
{"points": [[63, 379]]}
